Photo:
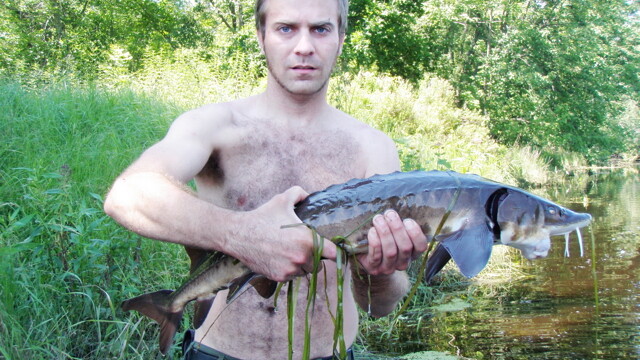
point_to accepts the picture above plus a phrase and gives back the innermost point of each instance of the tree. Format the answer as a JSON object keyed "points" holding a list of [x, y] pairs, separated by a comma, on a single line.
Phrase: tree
{"points": [[557, 76], [383, 34], [75, 35]]}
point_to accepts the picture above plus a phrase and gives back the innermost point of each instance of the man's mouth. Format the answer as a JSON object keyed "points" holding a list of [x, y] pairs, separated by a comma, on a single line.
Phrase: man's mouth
{"points": [[303, 68]]}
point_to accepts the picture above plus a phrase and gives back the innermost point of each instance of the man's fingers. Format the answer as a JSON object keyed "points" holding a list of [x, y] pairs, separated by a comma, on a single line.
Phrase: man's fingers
{"points": [[308, 269], [295, 194], [329, 250], [393, 244], [418, 239], [401, 238], [374, 255]]}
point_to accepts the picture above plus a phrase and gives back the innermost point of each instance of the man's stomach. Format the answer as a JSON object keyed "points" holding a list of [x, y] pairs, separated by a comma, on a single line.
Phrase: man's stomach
{"points": [[252, 327]]}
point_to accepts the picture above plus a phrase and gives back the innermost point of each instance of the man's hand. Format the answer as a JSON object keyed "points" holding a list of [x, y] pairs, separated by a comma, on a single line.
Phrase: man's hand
{"points": [[393, 244], [277, 252]]}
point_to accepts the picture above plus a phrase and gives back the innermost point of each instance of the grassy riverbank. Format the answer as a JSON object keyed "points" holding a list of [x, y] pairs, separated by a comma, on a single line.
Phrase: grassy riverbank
{"points": [[65, 266]]}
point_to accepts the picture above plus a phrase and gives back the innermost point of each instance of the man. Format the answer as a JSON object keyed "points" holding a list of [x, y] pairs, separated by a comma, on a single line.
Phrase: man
{"points": [[251, 160]]}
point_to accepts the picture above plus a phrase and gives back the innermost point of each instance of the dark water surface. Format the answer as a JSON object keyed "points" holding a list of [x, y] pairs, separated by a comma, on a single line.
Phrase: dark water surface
{"points": [[565, 307]]}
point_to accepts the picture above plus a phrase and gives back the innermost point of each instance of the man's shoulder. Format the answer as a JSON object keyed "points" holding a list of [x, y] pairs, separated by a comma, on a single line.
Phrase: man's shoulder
{"points": [[216, 117], [379, 149], [364, 132], [215, 113]]}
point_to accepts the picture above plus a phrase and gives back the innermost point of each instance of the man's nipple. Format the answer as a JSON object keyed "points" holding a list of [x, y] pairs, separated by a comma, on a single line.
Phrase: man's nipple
{"points": [[242, 200]]}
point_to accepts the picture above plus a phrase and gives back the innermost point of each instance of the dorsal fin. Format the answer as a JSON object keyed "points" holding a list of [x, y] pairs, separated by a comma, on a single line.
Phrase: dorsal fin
{"points": [[265, 287], [197, 256]]}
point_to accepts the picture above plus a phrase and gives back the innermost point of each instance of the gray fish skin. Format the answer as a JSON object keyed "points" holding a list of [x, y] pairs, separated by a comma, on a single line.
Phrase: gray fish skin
{"points": [[485, 213]]}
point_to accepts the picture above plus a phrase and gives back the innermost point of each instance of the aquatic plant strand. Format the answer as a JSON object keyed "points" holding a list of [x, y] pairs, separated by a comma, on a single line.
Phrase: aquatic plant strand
{"points": [[318, 245], [338, 328], [292, 298], [425, 255], [594, 270]]}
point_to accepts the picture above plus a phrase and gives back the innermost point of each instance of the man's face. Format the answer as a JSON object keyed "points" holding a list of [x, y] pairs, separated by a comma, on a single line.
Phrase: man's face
{"points": [[301, 43]]}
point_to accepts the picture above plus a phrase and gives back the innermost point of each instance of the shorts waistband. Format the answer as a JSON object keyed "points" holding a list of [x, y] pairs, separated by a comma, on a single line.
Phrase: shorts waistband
{"points": [[193, 350]]}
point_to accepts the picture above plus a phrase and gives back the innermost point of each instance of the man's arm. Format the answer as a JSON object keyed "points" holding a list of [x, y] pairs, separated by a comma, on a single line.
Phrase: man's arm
{"points": [[379, 279], [151, 198]]}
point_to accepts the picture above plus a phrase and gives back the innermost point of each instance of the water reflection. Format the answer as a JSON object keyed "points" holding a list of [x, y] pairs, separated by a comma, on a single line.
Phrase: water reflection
{"points": [[568, 308]]}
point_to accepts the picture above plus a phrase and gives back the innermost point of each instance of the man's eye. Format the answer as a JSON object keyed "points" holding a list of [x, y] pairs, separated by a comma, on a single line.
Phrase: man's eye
{"points": [[322, 30], [284, 29]]}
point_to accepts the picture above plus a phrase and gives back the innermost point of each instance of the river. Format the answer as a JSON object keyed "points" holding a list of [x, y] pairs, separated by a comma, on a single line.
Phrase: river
{"points": [[554, 308]]}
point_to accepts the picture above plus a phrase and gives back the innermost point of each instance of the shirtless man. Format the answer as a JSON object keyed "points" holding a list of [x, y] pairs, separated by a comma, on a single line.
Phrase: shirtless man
{"points": [[251, 160]]}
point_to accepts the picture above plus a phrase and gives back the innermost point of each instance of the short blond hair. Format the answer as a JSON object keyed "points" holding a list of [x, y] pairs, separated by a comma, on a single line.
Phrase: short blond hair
{"points": [[343, 10]]}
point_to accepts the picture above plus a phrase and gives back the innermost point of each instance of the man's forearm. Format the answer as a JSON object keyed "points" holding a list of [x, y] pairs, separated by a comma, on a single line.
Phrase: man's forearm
{"points": [[379, 294], [154, 206]]}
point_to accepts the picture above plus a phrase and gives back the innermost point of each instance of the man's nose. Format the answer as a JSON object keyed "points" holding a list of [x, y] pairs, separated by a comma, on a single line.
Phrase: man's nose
{"points": [[305, 45]]}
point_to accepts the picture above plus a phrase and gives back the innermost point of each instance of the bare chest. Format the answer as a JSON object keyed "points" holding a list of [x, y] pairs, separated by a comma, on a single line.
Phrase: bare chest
{"points": [[263, 162]]}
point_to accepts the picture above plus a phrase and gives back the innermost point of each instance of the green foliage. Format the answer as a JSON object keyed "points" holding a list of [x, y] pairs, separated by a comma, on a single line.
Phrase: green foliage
{"points": [[431, 132], [64, 265], [383, 34], [64, 269], [188, 78], [71, 36], [547, 74], [557, 85], [552, 75], [88, 134]]}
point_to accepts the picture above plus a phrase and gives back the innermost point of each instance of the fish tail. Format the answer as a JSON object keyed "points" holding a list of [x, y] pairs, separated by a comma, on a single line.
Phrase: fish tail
{"points": [[155, 306]]}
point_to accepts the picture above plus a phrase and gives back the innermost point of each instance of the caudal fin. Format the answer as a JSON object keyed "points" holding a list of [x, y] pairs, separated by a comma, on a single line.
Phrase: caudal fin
{"points": [[154, 306]]}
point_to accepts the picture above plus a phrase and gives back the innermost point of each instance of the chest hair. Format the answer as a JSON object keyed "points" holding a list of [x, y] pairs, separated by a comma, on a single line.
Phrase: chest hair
{"points": [[265, 161]]}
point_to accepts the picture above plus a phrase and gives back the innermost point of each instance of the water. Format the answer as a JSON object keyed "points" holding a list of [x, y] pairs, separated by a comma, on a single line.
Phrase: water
{"points": [[565, 308]]}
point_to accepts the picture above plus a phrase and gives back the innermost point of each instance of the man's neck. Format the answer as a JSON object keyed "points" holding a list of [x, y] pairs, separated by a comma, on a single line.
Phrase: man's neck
{"points": [[297, 110]]}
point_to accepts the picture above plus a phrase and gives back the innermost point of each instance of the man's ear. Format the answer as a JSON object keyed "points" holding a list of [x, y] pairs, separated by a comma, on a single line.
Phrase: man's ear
{"points": [[260, 36], [341, 41]]}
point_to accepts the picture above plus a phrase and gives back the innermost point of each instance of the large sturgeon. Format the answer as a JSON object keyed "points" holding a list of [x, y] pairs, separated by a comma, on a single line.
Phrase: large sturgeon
{"points": [[471, 213]]}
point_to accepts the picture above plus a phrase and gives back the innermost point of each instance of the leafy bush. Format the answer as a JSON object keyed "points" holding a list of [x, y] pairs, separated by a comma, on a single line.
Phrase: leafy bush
{"points": [[431, 132]]}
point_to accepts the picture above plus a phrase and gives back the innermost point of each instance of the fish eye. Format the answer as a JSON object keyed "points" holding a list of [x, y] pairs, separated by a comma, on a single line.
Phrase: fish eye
{"points": [[552, 211]]}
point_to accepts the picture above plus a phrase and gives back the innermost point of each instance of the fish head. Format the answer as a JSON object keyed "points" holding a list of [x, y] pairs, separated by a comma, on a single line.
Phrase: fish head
{"points": [[527, 222], [521, 219]]}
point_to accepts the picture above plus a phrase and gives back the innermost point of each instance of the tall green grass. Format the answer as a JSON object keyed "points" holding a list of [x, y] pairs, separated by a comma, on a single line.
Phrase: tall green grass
{"points": [[65, 266]]}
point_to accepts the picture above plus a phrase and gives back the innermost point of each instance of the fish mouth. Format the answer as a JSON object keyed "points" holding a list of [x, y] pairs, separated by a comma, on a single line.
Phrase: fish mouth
{"points": [[566, 228]]}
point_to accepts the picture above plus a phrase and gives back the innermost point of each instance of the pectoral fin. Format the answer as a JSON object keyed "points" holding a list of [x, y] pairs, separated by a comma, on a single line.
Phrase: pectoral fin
{"points": [[469, 248]]}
